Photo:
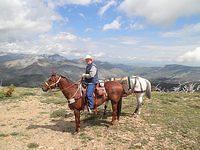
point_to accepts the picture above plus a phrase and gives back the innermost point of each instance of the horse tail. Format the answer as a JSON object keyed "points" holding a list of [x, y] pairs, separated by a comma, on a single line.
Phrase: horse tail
{"points": [[119, 107], [148, 90]]}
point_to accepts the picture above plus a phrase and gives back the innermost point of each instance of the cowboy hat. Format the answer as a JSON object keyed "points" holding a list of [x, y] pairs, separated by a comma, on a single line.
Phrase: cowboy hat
{"points": [[88, 57]]}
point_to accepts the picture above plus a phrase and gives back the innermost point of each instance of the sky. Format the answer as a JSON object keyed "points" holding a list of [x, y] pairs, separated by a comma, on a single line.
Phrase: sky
{"points": [[145, 32]]}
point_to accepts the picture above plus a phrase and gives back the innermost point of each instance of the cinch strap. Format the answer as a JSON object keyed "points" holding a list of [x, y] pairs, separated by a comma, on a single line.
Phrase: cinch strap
{"points": [[129, 82], [71, 101]]}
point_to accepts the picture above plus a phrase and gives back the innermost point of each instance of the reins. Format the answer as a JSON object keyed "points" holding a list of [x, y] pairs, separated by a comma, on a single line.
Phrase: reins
{"points": [[78, 81], [72, 99]]}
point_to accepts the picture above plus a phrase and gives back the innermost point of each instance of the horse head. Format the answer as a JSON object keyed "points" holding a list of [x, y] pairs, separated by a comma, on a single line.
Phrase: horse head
{"points": [[51, 83]]}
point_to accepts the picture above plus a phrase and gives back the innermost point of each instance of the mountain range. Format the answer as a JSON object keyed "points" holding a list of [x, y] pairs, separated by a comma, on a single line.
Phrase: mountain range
{"points": [[31, 70]]}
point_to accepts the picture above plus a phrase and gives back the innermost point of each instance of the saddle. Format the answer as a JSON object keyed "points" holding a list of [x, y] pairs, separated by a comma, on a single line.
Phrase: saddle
{"points": [[100, 90], [99, 93]]}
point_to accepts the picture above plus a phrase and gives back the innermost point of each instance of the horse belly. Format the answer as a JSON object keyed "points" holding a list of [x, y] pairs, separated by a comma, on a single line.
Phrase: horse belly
{"points": [[141, 85]]}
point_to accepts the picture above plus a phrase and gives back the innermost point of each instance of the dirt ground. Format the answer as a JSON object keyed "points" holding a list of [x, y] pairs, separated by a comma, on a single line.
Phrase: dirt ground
{"points": [[26, 122]]}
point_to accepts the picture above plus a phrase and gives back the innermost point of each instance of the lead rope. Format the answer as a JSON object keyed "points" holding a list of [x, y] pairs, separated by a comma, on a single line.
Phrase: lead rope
{"points": [[72, 99], [129, 83], [134, 85]]}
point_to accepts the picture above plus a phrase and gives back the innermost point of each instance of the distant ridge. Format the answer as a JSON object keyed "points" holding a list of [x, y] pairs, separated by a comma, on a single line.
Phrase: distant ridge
{"points": [[32, 70]]}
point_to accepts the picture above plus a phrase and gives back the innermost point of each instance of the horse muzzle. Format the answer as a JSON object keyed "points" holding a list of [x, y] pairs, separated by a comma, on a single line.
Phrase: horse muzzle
{"points": [[44, 89]]}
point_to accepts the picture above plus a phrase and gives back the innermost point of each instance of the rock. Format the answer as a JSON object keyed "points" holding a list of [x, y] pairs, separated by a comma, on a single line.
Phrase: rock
{"points": [[138, 145], [151, 138]]}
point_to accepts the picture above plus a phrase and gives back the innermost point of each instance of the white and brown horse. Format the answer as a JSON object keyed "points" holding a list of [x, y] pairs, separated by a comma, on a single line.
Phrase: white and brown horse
{"points": [[137, 85]]}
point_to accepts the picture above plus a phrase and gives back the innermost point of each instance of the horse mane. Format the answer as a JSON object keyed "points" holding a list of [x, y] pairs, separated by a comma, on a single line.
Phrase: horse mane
{"points": [[66, 78]]}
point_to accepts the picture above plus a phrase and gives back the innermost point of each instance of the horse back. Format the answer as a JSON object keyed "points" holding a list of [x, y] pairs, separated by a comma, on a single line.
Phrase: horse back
{"points": [[139, 84], [114, 89]]}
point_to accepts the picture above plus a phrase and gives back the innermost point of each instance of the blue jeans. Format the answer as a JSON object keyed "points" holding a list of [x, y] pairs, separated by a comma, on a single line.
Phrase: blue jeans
{"points": [[89, 95]]}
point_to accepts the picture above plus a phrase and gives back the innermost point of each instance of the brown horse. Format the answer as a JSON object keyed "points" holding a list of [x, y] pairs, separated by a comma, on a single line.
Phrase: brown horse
{"points": [[76, 97]]}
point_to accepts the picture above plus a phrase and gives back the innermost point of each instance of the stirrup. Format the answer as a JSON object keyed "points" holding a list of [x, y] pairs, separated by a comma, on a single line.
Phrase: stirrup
{"points": [[89, 110]]}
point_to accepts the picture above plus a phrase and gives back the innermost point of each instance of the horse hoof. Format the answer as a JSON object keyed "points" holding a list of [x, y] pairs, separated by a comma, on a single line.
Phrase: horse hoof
{"points": [[114, 122], [135, 115], [77, 131]]}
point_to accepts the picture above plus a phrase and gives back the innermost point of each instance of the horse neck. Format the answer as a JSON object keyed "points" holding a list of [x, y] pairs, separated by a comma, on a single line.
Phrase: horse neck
{"points": [[67, 87]]}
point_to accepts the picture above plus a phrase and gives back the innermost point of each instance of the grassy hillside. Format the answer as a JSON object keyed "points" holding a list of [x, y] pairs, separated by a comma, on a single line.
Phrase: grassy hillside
{"points": [[170, 73], [33, 119], [31, 70]]}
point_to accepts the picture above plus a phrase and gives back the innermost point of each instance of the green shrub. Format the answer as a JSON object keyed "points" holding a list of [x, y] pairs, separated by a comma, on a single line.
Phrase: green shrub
{"points": [[2, 94], [3, 135], [33, 145], [7, 92], [58, 113], [14, 133], [29, 94], [60, 101], [10, 90]]}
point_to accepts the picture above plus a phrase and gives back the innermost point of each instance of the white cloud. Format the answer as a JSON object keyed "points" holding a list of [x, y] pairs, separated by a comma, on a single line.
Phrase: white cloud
{"points": [[131, 58], [82, 15], [77, 2], [65, 20], [118, 42], [98, 54], [55, 3], [108, 5], [22, 19], [162, 12], [115, 25], [188, 30], [64, 36], [63, 43], [191, 56], [127, 40], [136, 26], [88, 29]]}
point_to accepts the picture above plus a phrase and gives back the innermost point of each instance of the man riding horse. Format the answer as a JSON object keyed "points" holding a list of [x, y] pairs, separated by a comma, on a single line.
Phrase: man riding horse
{"points": [[90, 79]]}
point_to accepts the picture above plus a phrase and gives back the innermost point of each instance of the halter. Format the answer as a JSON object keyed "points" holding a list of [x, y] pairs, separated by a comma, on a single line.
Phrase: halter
{"points": [[56, 83]]}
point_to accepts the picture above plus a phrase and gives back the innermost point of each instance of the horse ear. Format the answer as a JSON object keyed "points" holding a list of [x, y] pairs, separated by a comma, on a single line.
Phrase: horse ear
{"points": [[53, 72], [81, 59]]}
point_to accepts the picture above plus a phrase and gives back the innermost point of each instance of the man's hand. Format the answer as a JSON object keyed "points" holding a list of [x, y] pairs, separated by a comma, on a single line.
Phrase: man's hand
{"points": [[83, 75]]}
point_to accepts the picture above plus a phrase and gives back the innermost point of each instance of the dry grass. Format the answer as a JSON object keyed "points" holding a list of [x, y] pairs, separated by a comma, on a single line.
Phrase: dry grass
{"points": [[33, 119]]}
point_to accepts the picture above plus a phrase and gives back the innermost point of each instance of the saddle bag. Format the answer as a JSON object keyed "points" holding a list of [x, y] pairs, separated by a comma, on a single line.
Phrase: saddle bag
{"points": [[100, 89]]}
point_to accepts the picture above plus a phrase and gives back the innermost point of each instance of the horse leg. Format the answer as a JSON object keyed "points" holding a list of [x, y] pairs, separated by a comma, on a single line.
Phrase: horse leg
{"points": [[139, 103], [137, 107], [119, 107], [114, 114], [77, 119], [105, 107], [95, 104]]}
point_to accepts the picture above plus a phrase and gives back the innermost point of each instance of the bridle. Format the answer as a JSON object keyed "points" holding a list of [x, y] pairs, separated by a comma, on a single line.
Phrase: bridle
{"points": [[72, 99], [53, 84]]}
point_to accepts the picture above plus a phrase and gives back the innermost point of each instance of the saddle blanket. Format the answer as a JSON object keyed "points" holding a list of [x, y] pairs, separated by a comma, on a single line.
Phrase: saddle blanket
{"points": [[138, 84]]}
